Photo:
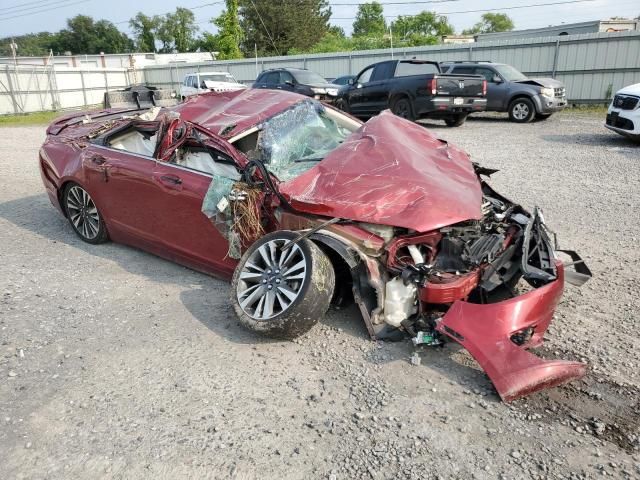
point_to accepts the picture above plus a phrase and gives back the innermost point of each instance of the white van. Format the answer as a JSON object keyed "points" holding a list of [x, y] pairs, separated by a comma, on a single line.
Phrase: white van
{"points": [[197, 83]]}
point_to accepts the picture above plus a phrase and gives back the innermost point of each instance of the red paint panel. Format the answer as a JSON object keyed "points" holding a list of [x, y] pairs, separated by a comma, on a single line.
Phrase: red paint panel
{"points": [[448, 292], [485, 331], [391, 172]]}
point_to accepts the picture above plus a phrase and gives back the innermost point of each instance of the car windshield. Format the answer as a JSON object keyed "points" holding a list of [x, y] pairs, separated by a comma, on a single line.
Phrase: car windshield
{"points": [[294, 140], [218, 77], [306, 77], [509, 73]]}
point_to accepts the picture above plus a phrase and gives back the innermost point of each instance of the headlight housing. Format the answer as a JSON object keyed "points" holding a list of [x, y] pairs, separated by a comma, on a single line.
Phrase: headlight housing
{"points": [[332, 91], [547, 92], [320, 91]]}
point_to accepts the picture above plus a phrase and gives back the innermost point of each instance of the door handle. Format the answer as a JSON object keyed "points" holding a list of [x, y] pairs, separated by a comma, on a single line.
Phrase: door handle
{"points": [[172, 179]]}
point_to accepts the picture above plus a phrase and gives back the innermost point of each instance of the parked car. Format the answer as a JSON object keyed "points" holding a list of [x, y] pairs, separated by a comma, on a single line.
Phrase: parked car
{"points": [[623, 116], [197, 83], [343, 80], [413, 89], [299, 204], [297, 80], [509, 90]]}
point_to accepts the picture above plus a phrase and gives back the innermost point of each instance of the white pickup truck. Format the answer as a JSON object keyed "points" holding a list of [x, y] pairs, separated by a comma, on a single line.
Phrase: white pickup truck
{"points": [[197, 83]]}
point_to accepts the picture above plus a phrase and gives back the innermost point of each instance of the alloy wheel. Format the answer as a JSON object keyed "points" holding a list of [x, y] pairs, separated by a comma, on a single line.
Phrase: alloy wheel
{"points": [[271, 279], [83, 212], [520, 111]]}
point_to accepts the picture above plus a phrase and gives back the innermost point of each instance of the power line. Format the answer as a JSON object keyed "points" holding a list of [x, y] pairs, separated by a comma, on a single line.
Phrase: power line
{"points": [[43, 10], [483, 10], [47, 3]]}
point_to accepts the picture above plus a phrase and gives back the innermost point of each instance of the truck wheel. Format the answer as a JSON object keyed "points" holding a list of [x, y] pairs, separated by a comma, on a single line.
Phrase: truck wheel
{"points": [[521, 110], [456, 120], [402, 108], [282, 293]]}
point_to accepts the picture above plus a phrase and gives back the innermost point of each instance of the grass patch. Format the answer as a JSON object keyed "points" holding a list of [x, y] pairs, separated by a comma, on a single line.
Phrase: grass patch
{"points": [[590, 109], [38, 118]]}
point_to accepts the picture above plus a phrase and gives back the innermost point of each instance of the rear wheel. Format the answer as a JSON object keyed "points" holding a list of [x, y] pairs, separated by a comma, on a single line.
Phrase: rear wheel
{"points": [[521, 110], [402, 108], [282, 292], [456, 120], [83, 214]]}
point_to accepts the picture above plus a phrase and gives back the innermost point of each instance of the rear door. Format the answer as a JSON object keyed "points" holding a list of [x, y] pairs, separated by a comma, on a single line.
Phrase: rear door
{"points": [[377, 92]]}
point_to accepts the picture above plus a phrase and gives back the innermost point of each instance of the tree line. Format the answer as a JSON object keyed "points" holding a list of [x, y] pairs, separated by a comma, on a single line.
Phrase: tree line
{"points": [[270, 27]]}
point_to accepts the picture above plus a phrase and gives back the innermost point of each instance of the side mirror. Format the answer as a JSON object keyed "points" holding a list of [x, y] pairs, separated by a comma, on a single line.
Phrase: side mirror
{"points": [[496, 79], [352, 81], [289, 82]]}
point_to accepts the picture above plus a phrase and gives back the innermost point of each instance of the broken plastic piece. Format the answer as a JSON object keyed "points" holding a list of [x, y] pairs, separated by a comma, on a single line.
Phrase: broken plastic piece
{"points": [[486, 330]]}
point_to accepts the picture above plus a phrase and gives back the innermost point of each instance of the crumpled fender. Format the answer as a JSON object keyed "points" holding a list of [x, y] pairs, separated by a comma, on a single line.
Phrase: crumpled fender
{"points": [[485, 331]]}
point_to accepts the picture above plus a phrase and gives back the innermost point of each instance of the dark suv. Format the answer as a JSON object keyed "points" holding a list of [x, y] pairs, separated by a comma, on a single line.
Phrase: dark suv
{"points": [[509, 90], [298, 80]]}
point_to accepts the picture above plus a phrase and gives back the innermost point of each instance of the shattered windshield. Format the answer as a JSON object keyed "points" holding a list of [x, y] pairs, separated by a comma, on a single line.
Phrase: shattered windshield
{"points": [[297, 138]]}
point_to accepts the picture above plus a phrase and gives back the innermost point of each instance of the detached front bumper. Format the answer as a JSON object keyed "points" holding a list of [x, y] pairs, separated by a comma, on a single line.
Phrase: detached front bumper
{"points": [[488, 331]]}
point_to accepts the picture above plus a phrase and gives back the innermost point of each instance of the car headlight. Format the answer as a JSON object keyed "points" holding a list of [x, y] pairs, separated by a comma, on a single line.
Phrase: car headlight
{"points": [[332, 91], [321, 91], [547, 92]]}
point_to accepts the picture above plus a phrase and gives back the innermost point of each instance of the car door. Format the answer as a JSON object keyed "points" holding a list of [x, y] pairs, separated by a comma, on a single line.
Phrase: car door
{"points": [[377, 91], [355, 95], [287, 82], [186, 233], [122, 185], [497, 92]]}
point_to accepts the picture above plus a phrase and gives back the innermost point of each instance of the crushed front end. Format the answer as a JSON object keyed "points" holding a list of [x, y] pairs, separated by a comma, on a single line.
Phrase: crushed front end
{"points": [[491, 285]]}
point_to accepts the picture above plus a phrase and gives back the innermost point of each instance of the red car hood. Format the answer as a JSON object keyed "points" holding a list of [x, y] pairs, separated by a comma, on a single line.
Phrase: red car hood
{"points": [[391, 172]]}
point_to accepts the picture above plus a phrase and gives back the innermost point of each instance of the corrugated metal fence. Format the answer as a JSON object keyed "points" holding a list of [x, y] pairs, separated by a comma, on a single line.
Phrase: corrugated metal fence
{"points": [[591, 65]]}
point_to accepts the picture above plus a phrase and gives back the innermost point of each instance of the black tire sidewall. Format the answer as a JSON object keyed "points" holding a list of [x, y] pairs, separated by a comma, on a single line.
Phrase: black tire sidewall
{"points": [[306, 309], [411, 116], [102, 235], [528, 103]]}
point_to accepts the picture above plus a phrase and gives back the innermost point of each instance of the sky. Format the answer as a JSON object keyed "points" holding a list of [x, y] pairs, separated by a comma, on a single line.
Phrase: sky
{"points": [[28, 16]]}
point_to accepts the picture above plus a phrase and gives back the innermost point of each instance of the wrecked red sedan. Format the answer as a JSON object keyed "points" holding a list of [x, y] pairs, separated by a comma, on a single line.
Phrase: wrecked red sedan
{"points": [[303, 205]]}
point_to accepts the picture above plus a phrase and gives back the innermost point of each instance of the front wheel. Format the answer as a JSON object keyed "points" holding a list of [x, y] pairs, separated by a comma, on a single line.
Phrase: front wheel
{"points": [[521, 110], [282, 292], [402, 108], [341, 104], [456, 120]]}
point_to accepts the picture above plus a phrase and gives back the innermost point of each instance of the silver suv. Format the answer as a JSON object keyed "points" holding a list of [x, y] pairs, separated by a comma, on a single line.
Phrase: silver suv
{"points": [[509, 90]]}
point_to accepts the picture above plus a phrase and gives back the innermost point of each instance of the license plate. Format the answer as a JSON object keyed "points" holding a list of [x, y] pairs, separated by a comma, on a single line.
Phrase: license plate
{"points": [[458, 101]]}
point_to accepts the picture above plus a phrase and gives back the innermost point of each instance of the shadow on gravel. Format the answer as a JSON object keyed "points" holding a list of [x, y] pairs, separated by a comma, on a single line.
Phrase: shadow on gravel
{"points": [[605, 139], [204, 296]]}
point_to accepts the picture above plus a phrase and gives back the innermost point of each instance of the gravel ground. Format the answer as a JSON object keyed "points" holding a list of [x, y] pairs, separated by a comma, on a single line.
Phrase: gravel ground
{"points": [[117, 364]]}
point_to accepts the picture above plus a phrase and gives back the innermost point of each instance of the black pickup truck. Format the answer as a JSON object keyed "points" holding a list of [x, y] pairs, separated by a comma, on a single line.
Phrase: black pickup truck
{"points": [[413, 89]]}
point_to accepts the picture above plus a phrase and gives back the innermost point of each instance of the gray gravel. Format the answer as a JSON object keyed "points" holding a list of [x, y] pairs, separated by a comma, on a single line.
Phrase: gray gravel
{"points": [[116, 364]]}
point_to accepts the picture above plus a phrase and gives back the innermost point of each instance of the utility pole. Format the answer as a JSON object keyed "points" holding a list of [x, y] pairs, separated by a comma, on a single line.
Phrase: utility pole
{"points": [[14, 49], [255, 48]]}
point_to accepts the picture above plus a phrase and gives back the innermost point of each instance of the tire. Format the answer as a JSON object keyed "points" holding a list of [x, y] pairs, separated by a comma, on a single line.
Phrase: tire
{"points": [[402, 108], [543, 116], [282, 304], [521, 110], [456, 120], [83, 215]]}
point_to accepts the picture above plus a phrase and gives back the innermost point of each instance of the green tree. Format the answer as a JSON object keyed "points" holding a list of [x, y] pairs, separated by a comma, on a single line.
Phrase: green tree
{"points": [[84, 35], [279, 27], [144, 29], [491, 23], [369, 21], [425, 28], [227, 40], [30, 45], [177, 31]]}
